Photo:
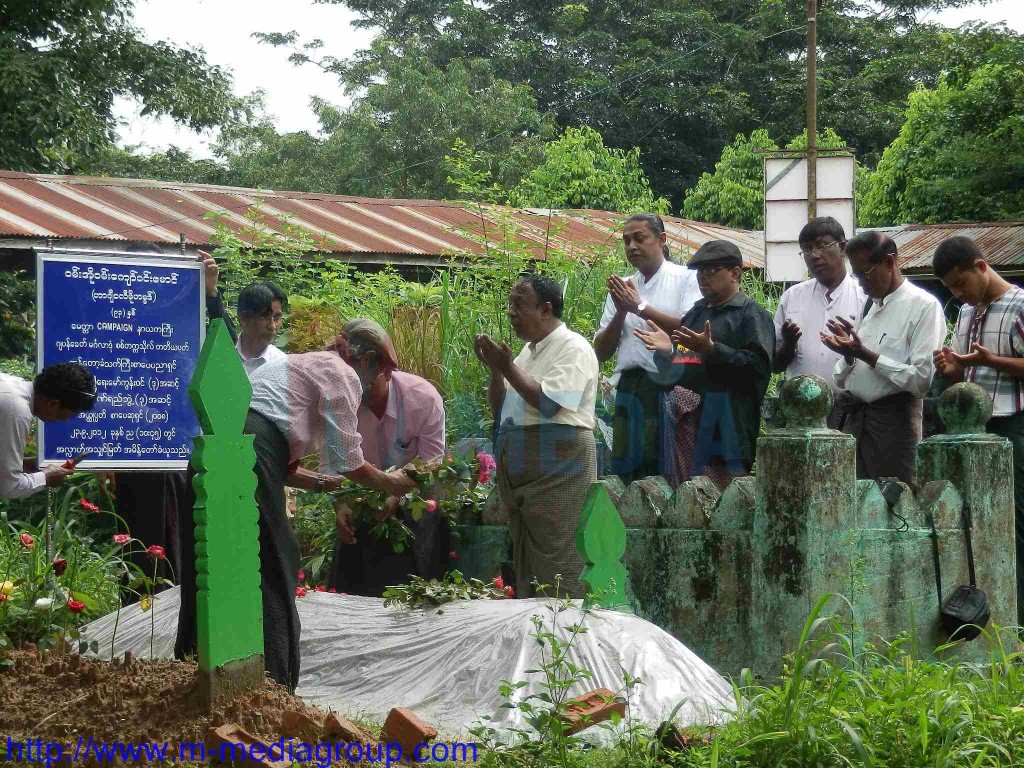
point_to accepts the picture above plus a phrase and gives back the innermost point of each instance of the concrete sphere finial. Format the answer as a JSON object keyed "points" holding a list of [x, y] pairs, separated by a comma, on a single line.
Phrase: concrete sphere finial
{"points": [[965, 409], [806, 401]]}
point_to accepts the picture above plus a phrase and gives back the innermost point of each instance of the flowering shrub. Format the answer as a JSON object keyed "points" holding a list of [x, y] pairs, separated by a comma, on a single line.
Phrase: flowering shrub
{"points": [[454, 586], [452, 487]]}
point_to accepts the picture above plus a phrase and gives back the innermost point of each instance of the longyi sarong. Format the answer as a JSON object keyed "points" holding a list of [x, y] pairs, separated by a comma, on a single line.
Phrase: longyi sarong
{"points": [[679, 441], [637, 426], [544, 473], [887, 431]]}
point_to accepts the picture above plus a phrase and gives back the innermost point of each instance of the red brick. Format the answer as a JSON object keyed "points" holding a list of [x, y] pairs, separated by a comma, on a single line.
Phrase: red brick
{"points": [[234, 734], [405, 728], [347, 730], [597, 706], [294, 723]]}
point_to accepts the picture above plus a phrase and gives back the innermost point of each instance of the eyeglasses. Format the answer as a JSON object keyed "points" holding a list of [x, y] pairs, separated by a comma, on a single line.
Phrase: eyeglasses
{"points": [[817, 251], [864, 275], [710, 269]]}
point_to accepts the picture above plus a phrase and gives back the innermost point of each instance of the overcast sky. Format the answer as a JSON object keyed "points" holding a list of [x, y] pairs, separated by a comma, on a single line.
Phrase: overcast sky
{"points": [[224, 28]]}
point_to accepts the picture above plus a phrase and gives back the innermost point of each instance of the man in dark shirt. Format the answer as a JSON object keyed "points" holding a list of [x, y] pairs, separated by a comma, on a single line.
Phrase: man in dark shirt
{"points": [[722, 358]]}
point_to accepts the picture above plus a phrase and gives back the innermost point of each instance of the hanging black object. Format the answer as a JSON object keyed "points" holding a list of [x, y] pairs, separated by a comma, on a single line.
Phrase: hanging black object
{"points": [[966, 611]]}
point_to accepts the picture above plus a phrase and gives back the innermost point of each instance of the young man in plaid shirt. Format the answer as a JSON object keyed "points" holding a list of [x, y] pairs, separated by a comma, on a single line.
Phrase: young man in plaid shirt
{"points": [[988, 350]]}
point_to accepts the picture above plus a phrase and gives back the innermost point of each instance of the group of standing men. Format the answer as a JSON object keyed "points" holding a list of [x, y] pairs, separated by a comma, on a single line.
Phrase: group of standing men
{"points": [[694, 355]]}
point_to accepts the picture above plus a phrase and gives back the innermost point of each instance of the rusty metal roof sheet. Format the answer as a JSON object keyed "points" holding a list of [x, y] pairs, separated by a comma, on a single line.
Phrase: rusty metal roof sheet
{"points": [[77, 207], [1001, 242]]}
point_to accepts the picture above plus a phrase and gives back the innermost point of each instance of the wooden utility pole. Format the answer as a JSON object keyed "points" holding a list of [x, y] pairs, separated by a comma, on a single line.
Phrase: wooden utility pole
{"points": [[812, 109]]}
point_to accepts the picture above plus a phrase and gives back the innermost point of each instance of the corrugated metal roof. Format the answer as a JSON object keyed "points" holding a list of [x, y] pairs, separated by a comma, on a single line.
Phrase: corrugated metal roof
{"points": [[1001, 242], [64, 207]]}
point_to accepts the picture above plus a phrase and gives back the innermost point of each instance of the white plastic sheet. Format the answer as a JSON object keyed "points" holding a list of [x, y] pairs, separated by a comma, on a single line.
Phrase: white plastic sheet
{"points": [[361, 659]]}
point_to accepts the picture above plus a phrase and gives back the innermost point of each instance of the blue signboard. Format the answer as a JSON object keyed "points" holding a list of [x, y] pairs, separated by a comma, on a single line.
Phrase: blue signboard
{"points": [[138, 324]]}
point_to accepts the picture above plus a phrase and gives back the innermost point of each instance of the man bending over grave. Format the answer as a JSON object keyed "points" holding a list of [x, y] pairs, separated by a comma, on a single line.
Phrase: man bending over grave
{"points": [[301, 404], [59, 392], [546, 454], [722, 365], [401, 418]]}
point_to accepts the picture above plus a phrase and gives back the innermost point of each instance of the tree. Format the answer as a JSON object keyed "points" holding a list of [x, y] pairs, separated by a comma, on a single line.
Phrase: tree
{"points": [[63, 61], [391, 141], [959, 155], [579, 171], [173, 164], [734, 194], [679, 78]]}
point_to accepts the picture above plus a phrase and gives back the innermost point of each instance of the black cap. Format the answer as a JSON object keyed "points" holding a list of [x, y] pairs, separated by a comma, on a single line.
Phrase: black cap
{"points": [[716, 252]]}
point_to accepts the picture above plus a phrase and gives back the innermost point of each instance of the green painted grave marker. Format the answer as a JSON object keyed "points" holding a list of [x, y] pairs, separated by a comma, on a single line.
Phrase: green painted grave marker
{"points": [[229, 605], [601, 542]]}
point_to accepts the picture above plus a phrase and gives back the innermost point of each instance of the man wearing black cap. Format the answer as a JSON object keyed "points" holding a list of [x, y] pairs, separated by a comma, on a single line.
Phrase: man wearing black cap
{"points": [[721, 358]]}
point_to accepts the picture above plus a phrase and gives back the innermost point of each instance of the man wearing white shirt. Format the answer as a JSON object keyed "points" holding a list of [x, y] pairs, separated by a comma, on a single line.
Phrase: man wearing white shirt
{"points": [[546, 455], [806, 307], [58, 392], [659, 291], [886, 366]]}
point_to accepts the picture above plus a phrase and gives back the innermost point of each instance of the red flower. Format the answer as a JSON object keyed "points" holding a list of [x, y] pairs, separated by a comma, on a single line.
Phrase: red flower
{"points": [[300, 591], [88, 506], [76, 606], [321, 589], [121, 538], [499, 582], [59, 565], [453, 555], [302, 575], [482, 476], [3, 597], [509, 591], [332, 591], [27, 541], [156, 552], [431, 505]]}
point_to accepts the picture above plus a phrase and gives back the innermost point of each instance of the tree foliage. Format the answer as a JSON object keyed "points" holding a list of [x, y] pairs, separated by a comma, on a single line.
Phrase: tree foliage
{"points": [[959, 156], [677, 78], [579, 171], [62, 62]]}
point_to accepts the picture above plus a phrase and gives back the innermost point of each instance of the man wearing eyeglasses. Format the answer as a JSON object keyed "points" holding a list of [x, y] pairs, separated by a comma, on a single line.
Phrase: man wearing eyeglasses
{"points": [[59, 392], [722, 355], [808, 306], [886, 366]]}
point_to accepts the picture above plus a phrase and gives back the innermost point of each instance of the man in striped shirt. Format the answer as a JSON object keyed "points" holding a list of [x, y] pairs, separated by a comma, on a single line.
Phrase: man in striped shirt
{"points": [[988, 350]]}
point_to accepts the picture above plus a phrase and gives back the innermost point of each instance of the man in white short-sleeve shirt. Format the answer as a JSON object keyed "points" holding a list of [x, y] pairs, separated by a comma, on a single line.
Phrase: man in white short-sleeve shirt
{"points": [[886, 363], [805, 308], [660, 292], [545, 450]]}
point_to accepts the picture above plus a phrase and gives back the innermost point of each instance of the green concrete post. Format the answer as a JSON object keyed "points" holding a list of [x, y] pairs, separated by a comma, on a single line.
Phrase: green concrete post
{"points": [[981, 467], [229, 605], [804, 519]]}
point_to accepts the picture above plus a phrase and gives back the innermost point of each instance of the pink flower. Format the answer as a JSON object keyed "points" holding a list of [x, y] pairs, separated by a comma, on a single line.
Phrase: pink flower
{"points": [[302, 575], [509, 591], [156, 552], [499, 583], [332, 591], [482, 476], [300, 591], [59, 565], [431, 505], [486, 461], [321, 589], [88, 506], [27, 541], [453, 555], [121, 538], [76, 606]]}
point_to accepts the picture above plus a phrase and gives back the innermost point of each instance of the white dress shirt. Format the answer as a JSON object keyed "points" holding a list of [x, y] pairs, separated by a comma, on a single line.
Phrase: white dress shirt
{"points": [[904, 329], [15, 426], [252, 363], [808, 305], [673, 289], [566, 367]]}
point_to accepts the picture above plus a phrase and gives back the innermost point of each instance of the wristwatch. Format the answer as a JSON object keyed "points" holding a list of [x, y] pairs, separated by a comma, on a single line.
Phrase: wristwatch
{"points": [[320, 483], [641, 307]]}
